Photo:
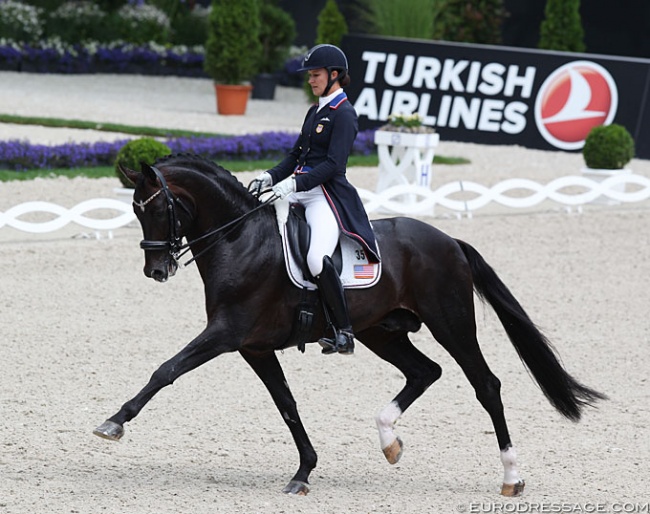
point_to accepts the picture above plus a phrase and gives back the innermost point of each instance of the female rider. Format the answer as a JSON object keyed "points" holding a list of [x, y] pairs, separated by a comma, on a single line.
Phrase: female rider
{"points": [[313, 174]]}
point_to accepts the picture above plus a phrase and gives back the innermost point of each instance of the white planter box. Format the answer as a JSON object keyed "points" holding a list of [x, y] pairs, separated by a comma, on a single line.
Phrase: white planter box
{"points": [[425, 140], [405, 159]]}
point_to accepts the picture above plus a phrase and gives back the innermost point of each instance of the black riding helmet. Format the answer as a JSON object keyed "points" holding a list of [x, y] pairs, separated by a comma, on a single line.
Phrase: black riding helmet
{"points": [[329, 57]]}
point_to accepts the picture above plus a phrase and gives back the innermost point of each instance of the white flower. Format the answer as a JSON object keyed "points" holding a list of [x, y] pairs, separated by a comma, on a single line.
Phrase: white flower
{"points": [[21, 18], [79, 9], [144, 13]]}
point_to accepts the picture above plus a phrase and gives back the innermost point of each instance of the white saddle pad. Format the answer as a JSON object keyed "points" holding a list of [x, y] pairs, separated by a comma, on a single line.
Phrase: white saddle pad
{"points": [[356, 271]]}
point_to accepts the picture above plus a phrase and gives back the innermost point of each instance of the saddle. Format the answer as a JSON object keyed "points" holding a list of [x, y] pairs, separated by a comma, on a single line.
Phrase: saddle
{"points": [[349, 258]]}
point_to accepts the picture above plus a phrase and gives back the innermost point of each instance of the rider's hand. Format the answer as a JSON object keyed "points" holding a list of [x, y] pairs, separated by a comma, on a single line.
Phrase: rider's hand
{"points": [[260, 183], [286, 187]]}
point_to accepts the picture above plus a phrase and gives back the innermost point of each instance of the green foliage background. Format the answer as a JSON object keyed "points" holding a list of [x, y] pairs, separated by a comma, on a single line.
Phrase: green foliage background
{"points": [[476, 22], [407, 18]]}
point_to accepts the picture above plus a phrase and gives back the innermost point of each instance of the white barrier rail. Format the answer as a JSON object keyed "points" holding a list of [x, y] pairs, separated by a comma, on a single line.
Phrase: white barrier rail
{"points": [[410, 199], [402, 199], [76, 214]]}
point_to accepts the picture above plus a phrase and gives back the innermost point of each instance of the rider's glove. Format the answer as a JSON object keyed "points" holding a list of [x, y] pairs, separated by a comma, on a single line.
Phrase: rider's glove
{"points": [[284, 188], [260, 183]]}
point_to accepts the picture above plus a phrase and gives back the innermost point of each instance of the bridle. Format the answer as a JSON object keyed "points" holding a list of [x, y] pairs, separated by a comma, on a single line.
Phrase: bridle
{"points": [[174, 245]]}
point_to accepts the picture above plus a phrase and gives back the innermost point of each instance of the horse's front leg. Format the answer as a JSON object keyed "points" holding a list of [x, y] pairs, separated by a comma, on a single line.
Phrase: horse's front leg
{"points": [[270, 372], [198, 352]]}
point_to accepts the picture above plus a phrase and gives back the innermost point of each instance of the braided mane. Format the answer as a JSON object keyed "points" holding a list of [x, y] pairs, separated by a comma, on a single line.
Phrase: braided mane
{"points": [[186, 162]]}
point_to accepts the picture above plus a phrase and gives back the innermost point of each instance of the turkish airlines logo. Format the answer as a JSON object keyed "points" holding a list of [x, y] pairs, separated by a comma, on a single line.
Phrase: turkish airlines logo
{"points": [[572, 100]]}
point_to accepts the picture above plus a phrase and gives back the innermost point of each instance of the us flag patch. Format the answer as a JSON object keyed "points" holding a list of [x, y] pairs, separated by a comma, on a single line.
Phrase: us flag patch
{"points": [[364, 271]]}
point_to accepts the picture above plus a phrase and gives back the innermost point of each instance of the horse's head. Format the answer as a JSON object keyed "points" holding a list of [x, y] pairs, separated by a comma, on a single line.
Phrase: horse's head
{"points": [[162, 214]]}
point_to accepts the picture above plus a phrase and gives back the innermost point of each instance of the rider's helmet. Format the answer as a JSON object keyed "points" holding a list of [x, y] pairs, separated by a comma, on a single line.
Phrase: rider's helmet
{"points": [[331, 58]]}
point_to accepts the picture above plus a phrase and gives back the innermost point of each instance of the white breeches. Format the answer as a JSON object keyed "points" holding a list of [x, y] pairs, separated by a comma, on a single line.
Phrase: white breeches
{"points": [[322, 222]]}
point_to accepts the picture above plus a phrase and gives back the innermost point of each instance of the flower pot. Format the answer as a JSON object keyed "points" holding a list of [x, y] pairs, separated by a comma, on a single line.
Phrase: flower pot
{"points": [[264, 86], [232, 99]]}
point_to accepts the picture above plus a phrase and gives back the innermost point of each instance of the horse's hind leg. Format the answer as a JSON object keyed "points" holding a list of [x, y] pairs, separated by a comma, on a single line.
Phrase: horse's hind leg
{"points": [[270, 372], [420, 372], [455, 330]]}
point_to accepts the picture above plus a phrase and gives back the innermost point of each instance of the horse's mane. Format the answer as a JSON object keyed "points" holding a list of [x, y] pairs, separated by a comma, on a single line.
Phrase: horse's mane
{"points": [[220, 176]]}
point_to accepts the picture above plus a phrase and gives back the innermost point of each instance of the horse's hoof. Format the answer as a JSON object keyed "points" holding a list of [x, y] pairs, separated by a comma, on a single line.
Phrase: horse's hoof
{"points": [[109, 430], [393, 452], [297, 488], [513, 489]]}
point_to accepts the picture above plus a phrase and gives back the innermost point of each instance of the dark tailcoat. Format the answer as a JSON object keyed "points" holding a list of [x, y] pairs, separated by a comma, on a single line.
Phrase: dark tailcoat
{"points": [[319, 158]]}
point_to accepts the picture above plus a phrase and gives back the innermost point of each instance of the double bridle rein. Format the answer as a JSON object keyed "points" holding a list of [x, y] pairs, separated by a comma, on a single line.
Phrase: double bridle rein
{"points": [[174, 245]]}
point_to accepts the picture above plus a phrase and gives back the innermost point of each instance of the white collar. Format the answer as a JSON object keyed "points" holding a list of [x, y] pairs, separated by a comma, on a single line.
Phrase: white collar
{"points": [[324, 100]]}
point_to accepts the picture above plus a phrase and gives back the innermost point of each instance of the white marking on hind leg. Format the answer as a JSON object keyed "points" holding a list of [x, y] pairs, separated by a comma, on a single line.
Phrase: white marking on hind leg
{"points": [[386, 420], [509, 461]]}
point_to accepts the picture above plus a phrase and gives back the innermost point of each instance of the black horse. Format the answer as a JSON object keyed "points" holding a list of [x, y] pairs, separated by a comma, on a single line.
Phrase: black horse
{"points": [[428, 277]]}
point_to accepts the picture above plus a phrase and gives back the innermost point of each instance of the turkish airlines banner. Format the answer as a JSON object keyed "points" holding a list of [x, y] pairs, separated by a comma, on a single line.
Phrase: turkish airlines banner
{"points": [[499, 95]]}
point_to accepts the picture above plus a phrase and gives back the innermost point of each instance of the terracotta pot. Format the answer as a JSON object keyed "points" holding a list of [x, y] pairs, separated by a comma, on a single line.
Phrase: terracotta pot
{"points": [[232, 99]]}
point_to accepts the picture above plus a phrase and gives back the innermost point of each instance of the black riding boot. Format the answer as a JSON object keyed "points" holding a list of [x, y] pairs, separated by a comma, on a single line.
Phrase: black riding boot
{"points": [[333, 296]]}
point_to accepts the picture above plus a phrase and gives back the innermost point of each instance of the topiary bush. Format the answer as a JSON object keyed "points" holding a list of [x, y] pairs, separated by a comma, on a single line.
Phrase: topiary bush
{"points": [[562, 27], [331, 29], [608, 147], [136, 151], [277, 32], [233, 47]]}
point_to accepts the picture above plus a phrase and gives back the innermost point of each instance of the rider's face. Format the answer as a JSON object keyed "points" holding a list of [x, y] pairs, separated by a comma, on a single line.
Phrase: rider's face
{"points": [[318, 80]]}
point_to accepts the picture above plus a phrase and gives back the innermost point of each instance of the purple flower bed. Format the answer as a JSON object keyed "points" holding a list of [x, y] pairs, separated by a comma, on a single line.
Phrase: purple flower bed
{"points": [[116, 57], [21, 155]]}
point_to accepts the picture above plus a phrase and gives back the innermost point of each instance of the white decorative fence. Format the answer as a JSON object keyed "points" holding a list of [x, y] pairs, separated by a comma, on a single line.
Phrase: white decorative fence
{"points": [[460, 196], [76, 214], [466, 197]]}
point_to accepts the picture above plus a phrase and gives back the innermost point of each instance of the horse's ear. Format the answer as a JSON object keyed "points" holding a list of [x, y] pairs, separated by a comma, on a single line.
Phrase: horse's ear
{"points": [[130, 174], [148, 172]]}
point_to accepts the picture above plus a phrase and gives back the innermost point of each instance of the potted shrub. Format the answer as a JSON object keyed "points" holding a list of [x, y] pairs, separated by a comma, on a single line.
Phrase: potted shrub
{"points": [[330, 29], [607, 150], [133, 153], [277, 32], [232, 52]]}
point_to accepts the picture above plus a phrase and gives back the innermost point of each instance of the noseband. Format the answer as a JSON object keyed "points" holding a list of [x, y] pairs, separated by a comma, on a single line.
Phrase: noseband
{"points": [[174, 244]]}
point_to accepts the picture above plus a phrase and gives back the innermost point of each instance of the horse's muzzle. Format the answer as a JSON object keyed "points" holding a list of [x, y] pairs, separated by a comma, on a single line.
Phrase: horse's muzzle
{"points": [[161, 271]]}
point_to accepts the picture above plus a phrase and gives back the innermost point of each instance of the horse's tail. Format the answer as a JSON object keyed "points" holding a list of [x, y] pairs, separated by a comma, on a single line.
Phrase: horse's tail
{"points": [[564, 392]]}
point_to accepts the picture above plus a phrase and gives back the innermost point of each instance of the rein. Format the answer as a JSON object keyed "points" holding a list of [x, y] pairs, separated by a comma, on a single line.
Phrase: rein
{"points": [[176, 248]]}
